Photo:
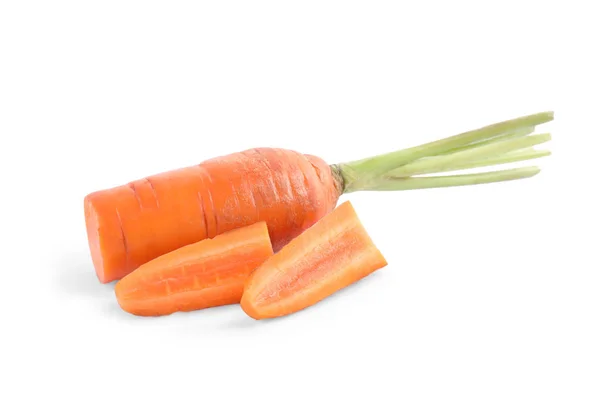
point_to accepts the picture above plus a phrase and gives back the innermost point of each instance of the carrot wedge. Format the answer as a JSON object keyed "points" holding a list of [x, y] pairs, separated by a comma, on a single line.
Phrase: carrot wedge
{"points": [[208, 273], [332, 254]]}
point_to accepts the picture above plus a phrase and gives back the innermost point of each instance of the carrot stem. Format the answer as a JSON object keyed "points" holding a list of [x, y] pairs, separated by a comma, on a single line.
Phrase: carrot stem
{"points": [[402, 183], [509, 135], [447, 162], [513, 156], [491, 145]]}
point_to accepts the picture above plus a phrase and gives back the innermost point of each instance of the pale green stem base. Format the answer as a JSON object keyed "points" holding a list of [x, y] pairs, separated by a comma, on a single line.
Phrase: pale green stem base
{"points": [[500, 143]]}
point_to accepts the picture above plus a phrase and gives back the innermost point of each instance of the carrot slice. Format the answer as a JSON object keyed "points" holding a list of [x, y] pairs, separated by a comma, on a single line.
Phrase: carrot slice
{"points": [[332, 254], [208, 273]]}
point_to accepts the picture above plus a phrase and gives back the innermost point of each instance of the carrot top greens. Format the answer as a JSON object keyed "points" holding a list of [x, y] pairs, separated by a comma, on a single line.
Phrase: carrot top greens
{"points": [[500, 143]]}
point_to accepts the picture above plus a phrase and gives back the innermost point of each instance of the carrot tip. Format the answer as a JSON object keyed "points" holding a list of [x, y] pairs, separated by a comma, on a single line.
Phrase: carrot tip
{"points": [[249, 309]]}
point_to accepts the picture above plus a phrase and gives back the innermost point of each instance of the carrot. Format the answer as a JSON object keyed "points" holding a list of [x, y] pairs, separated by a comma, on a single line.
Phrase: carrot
{"points": [[209, 273], [332, 254], [131, 224]]}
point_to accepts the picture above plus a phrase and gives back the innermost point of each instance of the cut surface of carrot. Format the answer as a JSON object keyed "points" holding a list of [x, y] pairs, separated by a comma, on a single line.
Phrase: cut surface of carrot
{"points": [[209, 273], [332, 254]]}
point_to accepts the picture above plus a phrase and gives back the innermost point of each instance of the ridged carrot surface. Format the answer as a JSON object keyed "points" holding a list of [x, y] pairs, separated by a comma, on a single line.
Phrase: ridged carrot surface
{"points": [[131, 224], [209, 273], [332, 254]]}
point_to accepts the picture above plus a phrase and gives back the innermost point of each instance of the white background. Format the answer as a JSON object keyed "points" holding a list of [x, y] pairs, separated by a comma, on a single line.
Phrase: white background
{"points": [[491, 292]]}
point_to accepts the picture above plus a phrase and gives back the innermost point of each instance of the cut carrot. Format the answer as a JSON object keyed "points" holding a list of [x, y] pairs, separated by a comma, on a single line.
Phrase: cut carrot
{"points": [[132, 224], [205, 274], [332, 254]]}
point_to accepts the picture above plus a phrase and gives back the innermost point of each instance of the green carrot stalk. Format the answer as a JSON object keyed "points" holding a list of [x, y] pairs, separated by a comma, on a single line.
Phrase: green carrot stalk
{"points": [[475, 154], [500, 143], [393, 183], [509, 135], [513, 156]]}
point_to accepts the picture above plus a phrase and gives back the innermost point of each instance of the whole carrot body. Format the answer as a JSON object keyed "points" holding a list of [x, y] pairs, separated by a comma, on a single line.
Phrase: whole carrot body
{"points": [[209, 273], [332, 254], [132, 224]]}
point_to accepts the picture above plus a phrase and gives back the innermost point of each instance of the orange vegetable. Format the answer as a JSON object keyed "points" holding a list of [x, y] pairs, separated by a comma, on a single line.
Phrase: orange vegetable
{"points": [[332, 254], [209, 273], [132, 224]]}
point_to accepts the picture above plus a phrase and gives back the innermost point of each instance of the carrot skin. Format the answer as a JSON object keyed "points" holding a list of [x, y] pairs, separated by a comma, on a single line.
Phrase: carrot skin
{"points": [[209, 273], [334, 253], [132, 224]]}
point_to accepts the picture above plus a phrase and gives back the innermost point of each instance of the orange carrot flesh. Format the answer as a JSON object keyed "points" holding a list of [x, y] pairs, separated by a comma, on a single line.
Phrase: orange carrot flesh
{"points": [[332, 254], [132, 224], [209, 273]]}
